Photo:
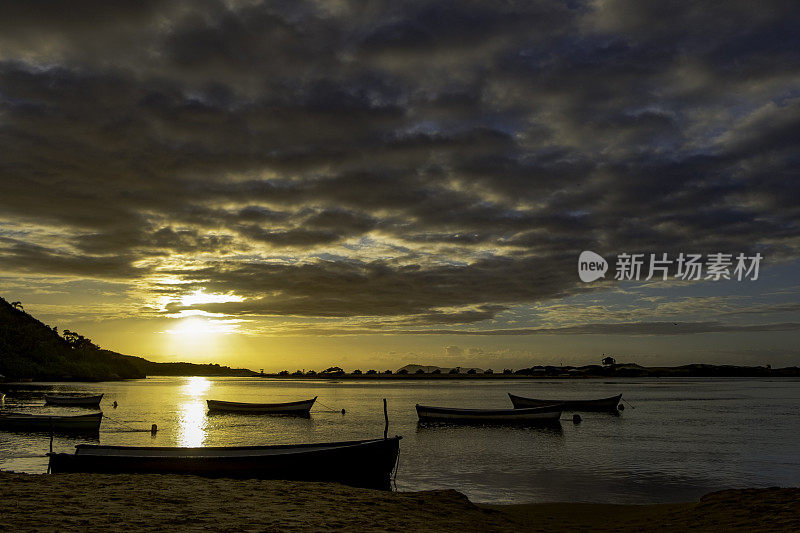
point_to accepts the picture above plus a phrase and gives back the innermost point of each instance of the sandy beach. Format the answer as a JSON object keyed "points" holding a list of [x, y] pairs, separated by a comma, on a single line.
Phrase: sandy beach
{"points": [[78, 502]]}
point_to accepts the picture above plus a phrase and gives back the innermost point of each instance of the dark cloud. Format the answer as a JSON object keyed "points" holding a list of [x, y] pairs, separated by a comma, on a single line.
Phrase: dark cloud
{"points": [[17, 256], [623, 329], [438, 161]]}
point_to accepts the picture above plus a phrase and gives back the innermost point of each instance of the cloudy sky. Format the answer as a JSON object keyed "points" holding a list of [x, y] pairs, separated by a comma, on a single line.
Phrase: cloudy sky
{"points": [[298, 184]]}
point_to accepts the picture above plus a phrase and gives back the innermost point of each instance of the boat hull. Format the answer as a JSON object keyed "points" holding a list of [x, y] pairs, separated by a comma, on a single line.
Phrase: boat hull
{"points": [[288, 408], [43, 423], [367, 463], [75, 401], [546, 414], [602, 404]]}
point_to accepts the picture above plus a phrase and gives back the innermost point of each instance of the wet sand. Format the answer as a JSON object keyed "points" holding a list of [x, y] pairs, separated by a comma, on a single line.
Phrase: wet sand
{"points": [[78, 502]]}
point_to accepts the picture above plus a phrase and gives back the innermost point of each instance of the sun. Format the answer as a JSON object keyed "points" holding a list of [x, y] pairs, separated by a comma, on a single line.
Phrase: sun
{"points": [[191, 327], [198, 338], [196, 334]]}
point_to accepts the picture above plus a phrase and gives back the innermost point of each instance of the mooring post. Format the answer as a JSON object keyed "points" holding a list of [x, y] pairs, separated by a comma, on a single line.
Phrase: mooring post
{"points": [[385, 419], [51, 445]]}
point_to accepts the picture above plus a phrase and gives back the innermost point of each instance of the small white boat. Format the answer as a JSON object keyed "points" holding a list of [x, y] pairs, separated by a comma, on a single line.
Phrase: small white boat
{"points": [[75, 400], [550, 413], [301, 407]]}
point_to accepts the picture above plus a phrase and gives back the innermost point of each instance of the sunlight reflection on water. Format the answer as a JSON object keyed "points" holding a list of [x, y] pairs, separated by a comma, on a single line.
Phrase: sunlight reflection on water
{"points": [[192, 419]]}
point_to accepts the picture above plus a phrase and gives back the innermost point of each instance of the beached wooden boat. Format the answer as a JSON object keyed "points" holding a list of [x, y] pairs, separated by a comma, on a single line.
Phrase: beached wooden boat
{"points": [[601, 404], [301, 407], [363, 463], [77, 400], [549, 413], [58, 423]]}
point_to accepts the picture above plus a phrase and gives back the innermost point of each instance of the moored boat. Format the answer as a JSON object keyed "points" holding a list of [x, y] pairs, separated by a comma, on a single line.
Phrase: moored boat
{"points": [[58, 423], [549, 413], [363, 463], [301, 407], [601, 404], [76, 400]]}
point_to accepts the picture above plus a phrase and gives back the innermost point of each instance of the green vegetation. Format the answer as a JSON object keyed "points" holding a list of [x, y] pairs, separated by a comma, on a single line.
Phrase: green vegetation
{"points": [[30, 349]]}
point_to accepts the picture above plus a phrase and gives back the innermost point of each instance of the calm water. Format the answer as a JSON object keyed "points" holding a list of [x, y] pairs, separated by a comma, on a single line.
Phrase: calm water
{"points": [[684, 438]]}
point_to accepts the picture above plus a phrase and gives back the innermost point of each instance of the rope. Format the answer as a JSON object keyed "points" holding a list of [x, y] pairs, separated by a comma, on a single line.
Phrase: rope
{"points": [[396, 468], [329, 408], [629, 403], [129, 428]]}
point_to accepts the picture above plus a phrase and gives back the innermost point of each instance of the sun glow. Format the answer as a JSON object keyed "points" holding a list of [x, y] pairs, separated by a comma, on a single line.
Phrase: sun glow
{"points": [[199, 338], [196, 386], [201, 297], [198, 297]]}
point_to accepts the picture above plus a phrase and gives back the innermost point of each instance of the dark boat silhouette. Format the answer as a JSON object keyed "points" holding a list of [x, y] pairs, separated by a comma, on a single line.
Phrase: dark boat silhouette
{"points": [[89, 423], [549, 413], [301, 407], [361, 463], [75, 400], [601, 404]]}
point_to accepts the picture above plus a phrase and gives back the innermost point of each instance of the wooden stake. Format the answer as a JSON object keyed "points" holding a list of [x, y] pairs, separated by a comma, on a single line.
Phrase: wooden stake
{"points": [[386, 420]]}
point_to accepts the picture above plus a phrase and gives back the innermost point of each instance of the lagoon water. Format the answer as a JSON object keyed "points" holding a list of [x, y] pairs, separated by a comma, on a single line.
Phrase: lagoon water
{"points": [[676, 440]]}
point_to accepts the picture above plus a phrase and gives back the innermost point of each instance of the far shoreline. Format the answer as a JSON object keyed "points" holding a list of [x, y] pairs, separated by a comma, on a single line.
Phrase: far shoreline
{"points": [[17, 385]]}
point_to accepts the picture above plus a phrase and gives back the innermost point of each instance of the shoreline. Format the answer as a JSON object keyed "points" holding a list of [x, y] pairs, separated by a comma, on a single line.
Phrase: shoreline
{"points": [[792, 373], [99, 502]]}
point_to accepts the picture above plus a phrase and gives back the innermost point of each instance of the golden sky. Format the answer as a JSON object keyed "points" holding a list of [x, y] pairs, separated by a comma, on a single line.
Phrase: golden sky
{"points": [[298, 185]]}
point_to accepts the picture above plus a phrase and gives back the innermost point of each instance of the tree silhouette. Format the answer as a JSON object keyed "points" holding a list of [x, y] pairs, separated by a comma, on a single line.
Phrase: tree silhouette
{"points": [[609, 361], [76, 340], [17, 305]]}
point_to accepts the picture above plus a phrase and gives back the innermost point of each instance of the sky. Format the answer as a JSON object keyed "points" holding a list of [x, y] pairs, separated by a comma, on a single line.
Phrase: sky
{"points": [[295, 185]]}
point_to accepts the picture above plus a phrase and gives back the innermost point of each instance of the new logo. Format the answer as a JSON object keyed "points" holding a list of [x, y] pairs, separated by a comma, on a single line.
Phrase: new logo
{"points": [[591, 266]]}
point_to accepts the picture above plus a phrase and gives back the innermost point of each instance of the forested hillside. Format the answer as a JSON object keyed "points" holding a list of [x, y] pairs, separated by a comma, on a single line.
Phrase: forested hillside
{"points": [[30, 349]]}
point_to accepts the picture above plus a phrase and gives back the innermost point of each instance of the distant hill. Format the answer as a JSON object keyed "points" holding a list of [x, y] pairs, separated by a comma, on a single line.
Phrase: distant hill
{"points": [[413, 369], [30, 349]]}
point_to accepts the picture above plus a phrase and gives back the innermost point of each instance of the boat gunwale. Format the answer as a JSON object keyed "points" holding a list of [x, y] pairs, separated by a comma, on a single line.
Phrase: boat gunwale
{"points": [[36, 416], [73, 396], [498, 412], [169, 451]]}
